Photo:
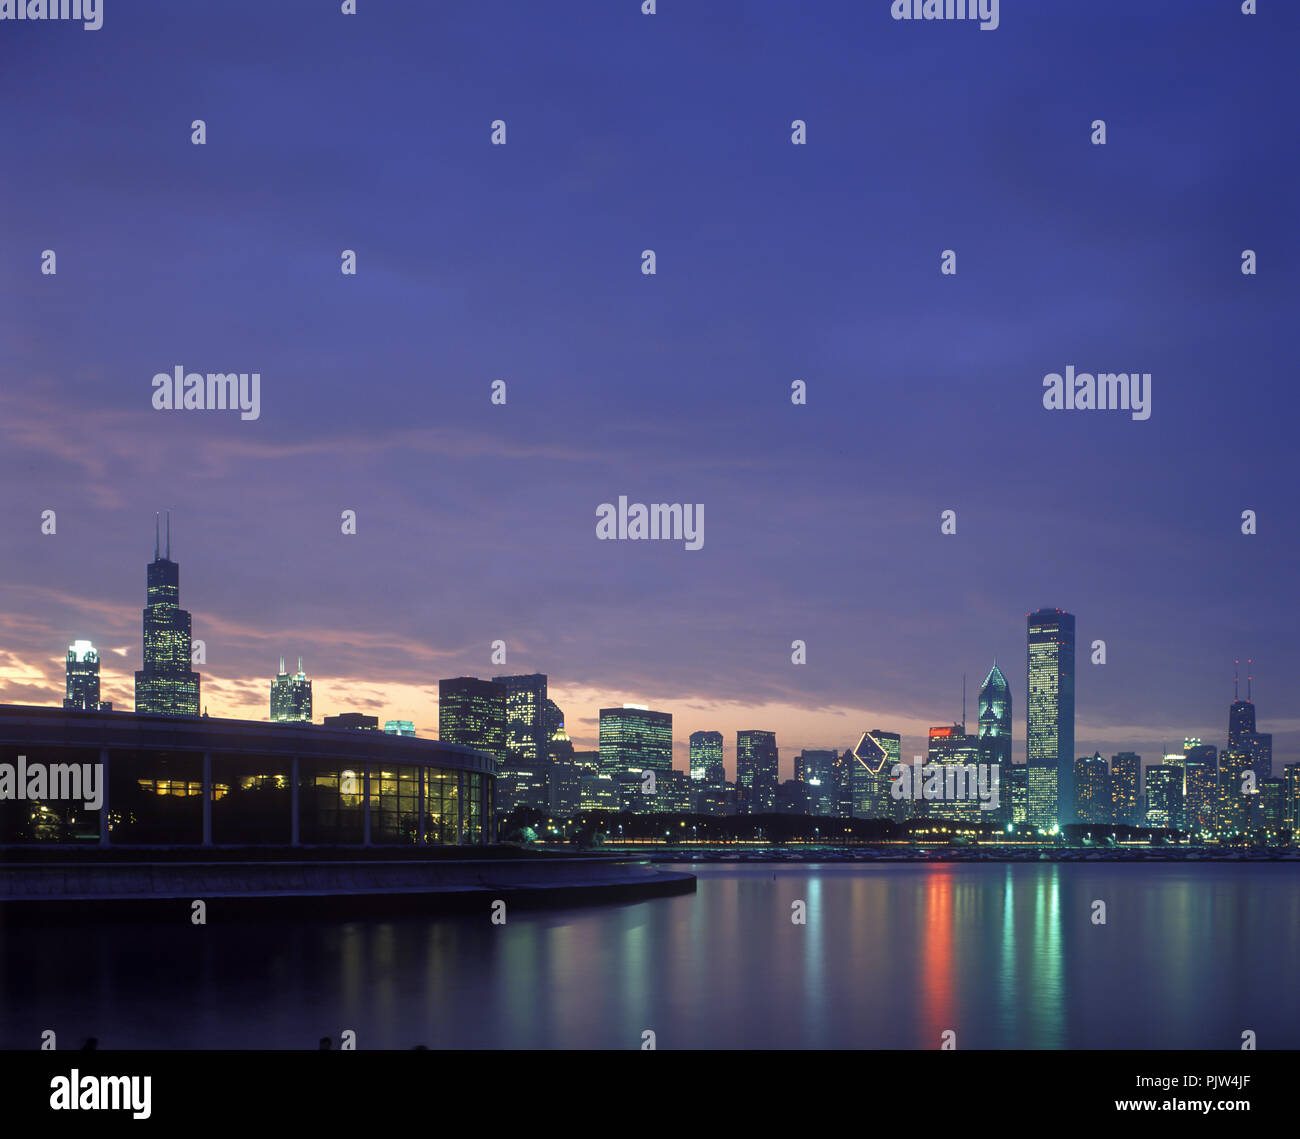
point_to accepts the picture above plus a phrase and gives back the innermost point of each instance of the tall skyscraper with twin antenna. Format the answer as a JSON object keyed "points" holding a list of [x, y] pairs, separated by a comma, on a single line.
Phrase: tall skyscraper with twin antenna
{"points": [[1247, 750], [167, 685]]}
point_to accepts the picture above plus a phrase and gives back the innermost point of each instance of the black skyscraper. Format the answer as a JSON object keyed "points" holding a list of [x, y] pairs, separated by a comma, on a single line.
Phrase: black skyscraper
{"points": [[166, 685]]}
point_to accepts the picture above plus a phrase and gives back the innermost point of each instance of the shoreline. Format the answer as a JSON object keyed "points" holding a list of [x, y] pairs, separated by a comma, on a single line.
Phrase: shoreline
{"points": [[129, 889], [976, 855]]}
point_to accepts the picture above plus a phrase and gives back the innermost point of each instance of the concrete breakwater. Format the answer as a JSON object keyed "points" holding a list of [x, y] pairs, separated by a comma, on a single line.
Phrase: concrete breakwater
{"points": [[333, 887]]}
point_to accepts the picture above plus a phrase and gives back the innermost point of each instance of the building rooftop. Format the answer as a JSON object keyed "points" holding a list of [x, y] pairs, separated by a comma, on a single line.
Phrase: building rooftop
{"points": [[32, 726]]}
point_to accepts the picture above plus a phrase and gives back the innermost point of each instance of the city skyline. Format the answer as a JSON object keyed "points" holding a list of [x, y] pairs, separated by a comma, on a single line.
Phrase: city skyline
{"points": [[531, 733]]}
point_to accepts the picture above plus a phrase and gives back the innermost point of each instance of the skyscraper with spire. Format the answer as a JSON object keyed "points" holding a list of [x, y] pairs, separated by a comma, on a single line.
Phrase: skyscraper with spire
{"points": [[167, 685], [995, 719], [995, 733], [1247, 750], [1241, 713], [1258, 746], [291, 696]]}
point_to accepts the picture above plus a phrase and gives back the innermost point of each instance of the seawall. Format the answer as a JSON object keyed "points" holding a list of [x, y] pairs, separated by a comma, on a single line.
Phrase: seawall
{"points": [[337, 887]]}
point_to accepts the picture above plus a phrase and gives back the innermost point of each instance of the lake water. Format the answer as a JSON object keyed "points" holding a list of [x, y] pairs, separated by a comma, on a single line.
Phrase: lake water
{"points": [[892, 955]]}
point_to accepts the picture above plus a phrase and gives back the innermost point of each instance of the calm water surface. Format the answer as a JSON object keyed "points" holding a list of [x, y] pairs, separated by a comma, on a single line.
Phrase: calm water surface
{"points": [[890, 957]]}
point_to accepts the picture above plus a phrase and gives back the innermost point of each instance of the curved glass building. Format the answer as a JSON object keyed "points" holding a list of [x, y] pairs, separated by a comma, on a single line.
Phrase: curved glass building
{"points": [[132, 779]]}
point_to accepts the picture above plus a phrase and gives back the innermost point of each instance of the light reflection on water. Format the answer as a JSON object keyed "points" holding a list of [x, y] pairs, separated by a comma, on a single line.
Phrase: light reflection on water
{"points": [[891, 956]]}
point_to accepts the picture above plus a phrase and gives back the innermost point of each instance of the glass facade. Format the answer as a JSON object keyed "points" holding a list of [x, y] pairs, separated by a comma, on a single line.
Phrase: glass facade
{"points": [[46, 818], [756, 768], [395, 804], [1049, 715], [1092, 789], [155, 797], [331, 805], [442, 802], [815, 770], [1164, 785], [251, 798], [129, 794], [706, 758], [526, 741], [870, 777], [953, 747], [995, 720], [474, 808], [1125, 787], [633, 740]]}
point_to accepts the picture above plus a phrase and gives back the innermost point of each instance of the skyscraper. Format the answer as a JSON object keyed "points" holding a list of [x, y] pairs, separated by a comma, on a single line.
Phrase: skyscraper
{"points": [[1232, 811], [1247, 751], [1201, 785], [635, 739], [995, 719], [1017, 793], [562, 772], [995, 735], [1241, 716], [1272, 809], [845, 766], [1049, 739], [1259, 749], [815, 771], [1242, 736], [756, 771], [166, 686], [951, 746], [1125, 787], [522, 781], [1291, 803], [291, 696], [472, 713], [525, 735], [1176, 762], [877, 754], [1164, 795], [706, 759], [1092, 789], [82, 679], [588, 761]]}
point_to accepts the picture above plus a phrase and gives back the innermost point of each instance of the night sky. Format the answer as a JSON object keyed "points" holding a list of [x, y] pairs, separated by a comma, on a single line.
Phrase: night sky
{"points": [[775, 263]]}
